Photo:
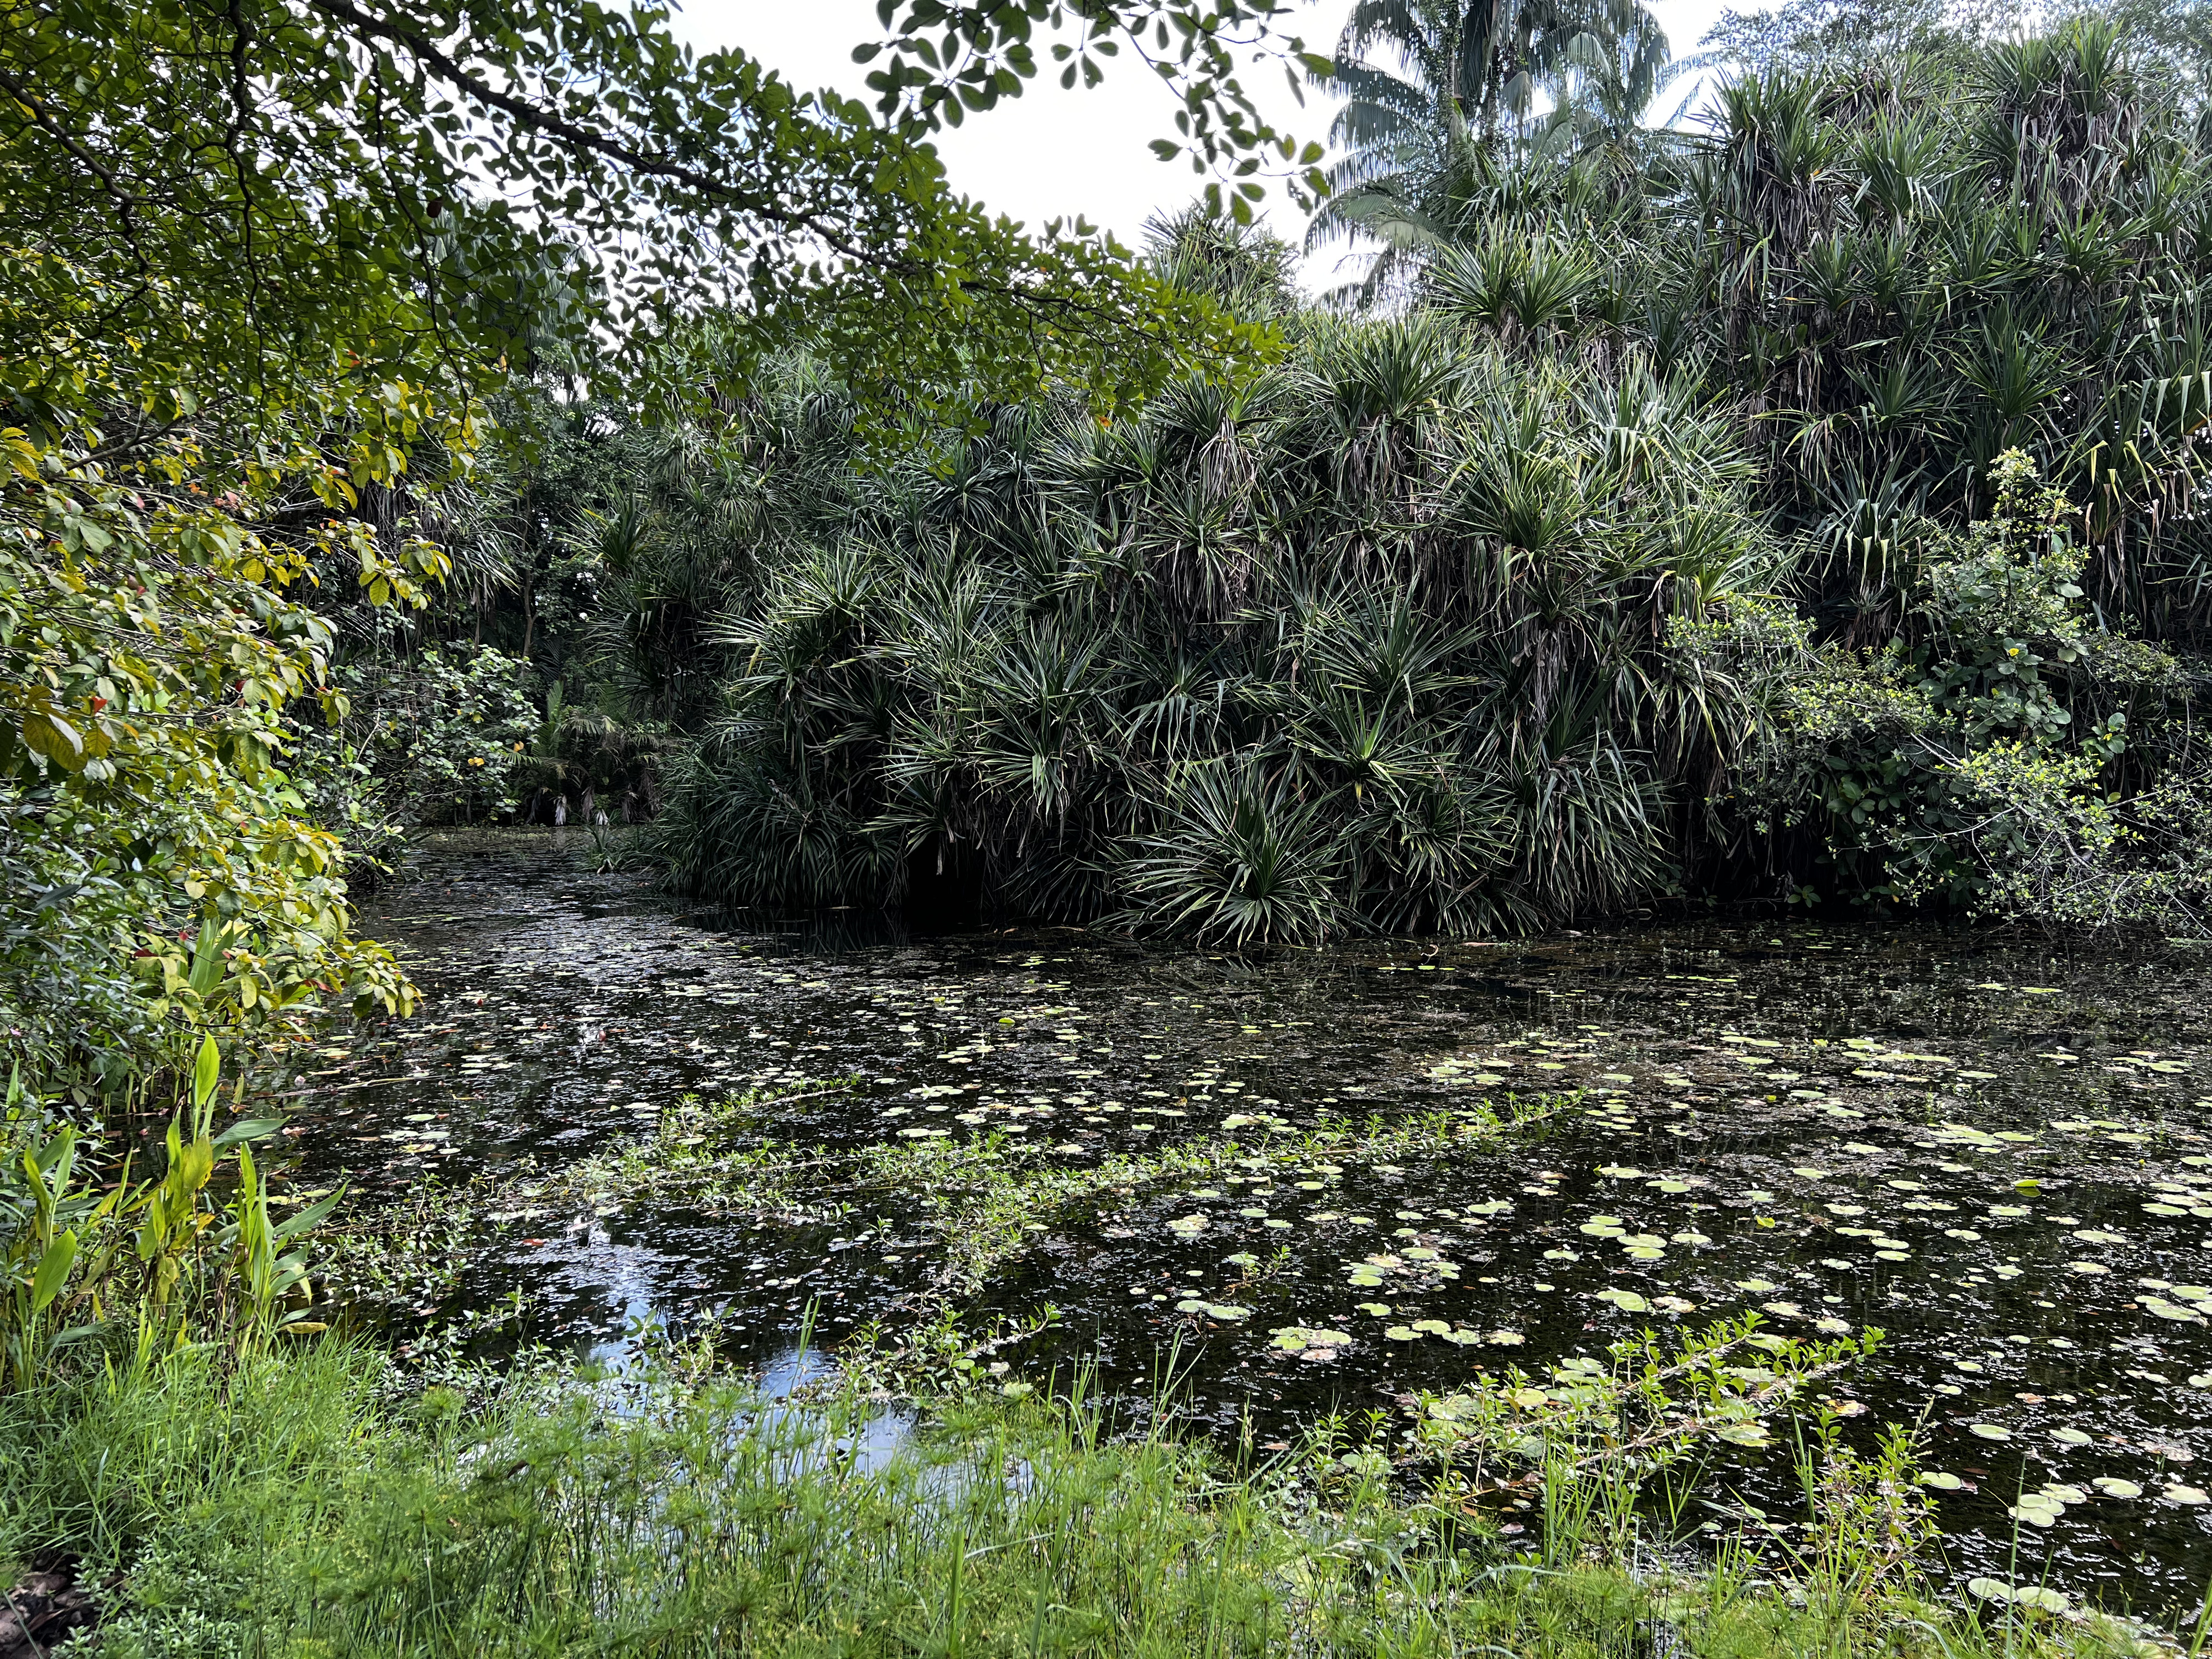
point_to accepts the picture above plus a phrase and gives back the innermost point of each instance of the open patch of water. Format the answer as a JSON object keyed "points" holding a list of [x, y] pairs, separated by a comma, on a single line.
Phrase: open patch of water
{"points": [[1998, 1155]]}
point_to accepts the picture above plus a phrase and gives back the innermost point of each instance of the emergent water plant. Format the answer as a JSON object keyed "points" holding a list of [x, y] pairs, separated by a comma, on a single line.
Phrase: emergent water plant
{"points": [[84, 1256]]}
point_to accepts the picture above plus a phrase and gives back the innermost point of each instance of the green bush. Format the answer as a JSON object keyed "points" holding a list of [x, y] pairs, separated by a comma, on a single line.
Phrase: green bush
{"points": [[1993, 754]]}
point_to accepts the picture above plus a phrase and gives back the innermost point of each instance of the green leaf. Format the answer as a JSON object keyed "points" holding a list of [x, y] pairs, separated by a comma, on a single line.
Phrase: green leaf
{"points": [[207, 960], [309, 1218], [204, 1072], [251, 1128], [53, 1272]]}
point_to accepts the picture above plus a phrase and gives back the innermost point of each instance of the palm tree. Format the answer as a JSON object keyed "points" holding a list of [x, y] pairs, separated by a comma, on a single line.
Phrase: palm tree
{"points": [[1605, 92], [1430, 144]]}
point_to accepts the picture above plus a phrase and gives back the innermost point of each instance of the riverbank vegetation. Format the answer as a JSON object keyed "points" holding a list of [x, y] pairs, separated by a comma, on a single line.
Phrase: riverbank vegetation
{"points": [[1791, 504], [1799, 508], [316, 1503], [304, 314], [189, 1458], [410, 414]]}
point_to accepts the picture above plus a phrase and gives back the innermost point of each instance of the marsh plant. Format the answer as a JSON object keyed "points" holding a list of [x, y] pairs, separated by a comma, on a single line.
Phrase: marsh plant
{"points": [[152, 1267], [297, 1505], [981, 1200]]}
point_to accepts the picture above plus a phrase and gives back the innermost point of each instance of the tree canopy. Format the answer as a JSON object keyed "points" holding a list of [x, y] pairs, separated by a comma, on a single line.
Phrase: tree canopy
{"points": [[257, 195]]}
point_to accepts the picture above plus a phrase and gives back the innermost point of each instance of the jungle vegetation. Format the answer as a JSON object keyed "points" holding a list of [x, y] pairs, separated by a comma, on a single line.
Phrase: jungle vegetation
{"points": [[454, 411], [1797, 505], [290, 291], [1790, 500]]}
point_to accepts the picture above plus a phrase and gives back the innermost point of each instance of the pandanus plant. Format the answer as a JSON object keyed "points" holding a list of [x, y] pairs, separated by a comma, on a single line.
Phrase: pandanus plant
{"points": [[1273, 663]]}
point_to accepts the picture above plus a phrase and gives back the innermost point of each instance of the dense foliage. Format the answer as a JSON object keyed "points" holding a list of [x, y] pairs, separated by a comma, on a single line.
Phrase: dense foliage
{"points": [[1801, 507], [1389, 638], [293, 291], [291, 1505]]}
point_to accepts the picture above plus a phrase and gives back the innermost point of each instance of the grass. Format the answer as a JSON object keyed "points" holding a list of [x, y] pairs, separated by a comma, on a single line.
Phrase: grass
{"points": [[297, 1504], [984, 1198]]}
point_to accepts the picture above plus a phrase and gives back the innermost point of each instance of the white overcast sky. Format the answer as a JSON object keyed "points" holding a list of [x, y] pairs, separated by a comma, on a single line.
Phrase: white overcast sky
{"points": [[1051, 153]]}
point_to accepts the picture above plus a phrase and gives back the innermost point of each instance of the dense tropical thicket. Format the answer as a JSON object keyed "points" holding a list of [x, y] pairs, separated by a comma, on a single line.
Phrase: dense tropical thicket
{"points": [[1799, 505], [1400, 635], [1802, 506], [309, 527]]}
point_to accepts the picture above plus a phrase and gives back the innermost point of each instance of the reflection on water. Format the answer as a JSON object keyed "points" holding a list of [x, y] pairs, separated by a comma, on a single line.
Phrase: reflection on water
{"points": [[1993, 1152]]}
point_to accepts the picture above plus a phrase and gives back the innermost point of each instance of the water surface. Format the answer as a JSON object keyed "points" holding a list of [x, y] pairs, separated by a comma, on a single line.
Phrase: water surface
{"points": [[1997, 1153]]}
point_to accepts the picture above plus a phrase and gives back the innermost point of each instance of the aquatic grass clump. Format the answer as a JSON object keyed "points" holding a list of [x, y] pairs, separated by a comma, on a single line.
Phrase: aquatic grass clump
{"points": [[117, 1462], [986, 1197]]}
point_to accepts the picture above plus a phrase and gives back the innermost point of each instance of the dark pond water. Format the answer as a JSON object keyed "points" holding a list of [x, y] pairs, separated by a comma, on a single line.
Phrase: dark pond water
{"points": [[1998, 1154]]}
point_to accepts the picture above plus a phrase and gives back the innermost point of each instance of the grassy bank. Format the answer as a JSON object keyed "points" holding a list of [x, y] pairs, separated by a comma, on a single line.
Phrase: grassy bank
{"points": [[302, 1502]]}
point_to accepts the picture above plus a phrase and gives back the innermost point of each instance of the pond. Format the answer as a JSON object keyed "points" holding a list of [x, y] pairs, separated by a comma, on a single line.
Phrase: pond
{"points": [[1997, 1152]]}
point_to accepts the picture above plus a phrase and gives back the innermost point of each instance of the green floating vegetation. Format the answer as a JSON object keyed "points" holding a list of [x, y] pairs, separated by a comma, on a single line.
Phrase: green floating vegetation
{"points": [[984, 1198]]}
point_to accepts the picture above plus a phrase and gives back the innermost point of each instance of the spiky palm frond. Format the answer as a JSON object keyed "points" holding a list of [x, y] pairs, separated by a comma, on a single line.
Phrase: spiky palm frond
{"points": [[1238, 858]]}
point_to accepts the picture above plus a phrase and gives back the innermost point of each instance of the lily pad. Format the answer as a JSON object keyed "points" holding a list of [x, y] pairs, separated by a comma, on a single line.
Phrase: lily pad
{"points": [[2165, 1309]]}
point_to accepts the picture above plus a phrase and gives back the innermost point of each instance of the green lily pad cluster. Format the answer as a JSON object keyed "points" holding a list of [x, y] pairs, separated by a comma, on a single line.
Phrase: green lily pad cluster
{"points": [[1229, 1312]]}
